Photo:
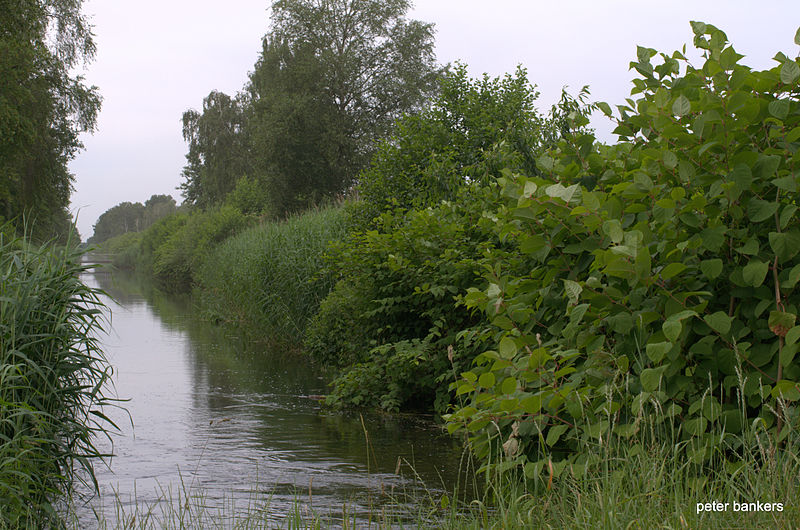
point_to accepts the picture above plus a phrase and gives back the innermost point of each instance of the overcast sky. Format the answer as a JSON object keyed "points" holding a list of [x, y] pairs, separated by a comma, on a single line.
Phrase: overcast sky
{"points": [[155, 59]]}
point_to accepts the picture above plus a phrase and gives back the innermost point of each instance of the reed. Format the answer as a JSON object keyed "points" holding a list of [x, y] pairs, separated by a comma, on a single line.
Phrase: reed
{"points": [[268, 277], [53, 376], [643, 482]]}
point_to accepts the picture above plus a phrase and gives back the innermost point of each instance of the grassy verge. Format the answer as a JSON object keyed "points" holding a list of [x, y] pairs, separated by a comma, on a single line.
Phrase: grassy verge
{"points": [[52, 378], [640, 486], [268, 277]]}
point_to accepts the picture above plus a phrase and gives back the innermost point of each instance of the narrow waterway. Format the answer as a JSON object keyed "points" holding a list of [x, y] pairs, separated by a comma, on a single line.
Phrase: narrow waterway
{"points": [[211, 414]]}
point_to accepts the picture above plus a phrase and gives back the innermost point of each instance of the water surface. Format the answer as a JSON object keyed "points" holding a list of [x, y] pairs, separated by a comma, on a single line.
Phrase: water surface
{"points": [[214, 413]]}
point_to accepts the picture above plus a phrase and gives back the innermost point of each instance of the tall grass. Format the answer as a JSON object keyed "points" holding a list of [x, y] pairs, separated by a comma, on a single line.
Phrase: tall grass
{"points": [[52, 378], [268, 276], [642, 483]]}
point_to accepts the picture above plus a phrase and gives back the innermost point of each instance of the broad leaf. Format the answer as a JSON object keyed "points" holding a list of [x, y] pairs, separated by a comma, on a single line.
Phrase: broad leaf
{"points": [[755, 272], [682, 106], [719, 322]]}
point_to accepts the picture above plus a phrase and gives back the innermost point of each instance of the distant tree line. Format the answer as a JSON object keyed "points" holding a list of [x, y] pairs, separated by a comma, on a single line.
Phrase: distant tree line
{"points": [[44, 107], [331, 79], [131, 217]]}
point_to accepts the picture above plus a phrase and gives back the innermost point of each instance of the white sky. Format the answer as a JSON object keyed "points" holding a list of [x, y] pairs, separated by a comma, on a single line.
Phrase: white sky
{"points": [[155, 59]]}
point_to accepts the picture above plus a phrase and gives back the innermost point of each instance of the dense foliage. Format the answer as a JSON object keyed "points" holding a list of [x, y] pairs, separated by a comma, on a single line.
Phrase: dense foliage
{"points": [[174, 248], [465, 134], [268, 278], [131, 217], [52, 381], [664, 290], [390, 323], [218, 149], [330, 80], [43, 109]]}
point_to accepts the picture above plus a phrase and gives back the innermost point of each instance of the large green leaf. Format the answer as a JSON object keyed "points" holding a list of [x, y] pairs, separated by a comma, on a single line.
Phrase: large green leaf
{"points": [[785, 244], [713, 237], [711, 267], [555, 433], [780, 322], [682, 106], [672, 330], [507, 348], [719, 322], [673, 269], [779, 108], [755, 272], [509, 385], [657, 351], [788, 390], [613, 229], [573, 290], [790, 72], [792, 335], [651, 378], [758, 210]]}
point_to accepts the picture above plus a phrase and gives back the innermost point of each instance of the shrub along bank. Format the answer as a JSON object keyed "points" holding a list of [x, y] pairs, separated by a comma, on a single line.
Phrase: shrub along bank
{"points": [[270, 277], [656, 277], [666, 289], [173, 249], [391, 325]]}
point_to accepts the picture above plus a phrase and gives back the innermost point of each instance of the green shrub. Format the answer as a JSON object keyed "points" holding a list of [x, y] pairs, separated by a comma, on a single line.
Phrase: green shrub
{"points": [[269, 276], [472, 129], [124, 249], [155, 236], [249, 196], [666, 289], [392, 317], [400, 279], [52, 379], [179, 256]]}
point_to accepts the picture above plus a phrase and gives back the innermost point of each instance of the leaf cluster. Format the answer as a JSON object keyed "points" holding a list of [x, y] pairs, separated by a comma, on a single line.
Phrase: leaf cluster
{"points": [[663, 272]]}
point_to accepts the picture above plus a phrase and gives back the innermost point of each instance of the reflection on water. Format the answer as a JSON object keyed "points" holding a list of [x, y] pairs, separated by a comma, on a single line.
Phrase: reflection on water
{"points": [[210, 410]]}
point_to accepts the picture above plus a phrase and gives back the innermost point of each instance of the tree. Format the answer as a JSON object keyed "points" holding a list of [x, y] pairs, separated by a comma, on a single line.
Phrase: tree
{"points": [[43, 108], [131, 217], [332, 77], [157, 207], [218, 151], [469, 132]]}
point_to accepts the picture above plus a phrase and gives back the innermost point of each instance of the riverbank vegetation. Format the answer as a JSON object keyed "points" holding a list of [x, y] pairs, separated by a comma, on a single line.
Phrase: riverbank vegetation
{"points": [[270, 278], [642, 485], [53, 378], [573, 310]]}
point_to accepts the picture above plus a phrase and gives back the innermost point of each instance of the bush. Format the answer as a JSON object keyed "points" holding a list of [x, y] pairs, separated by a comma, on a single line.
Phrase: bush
{"points": [[52, 379], [473, 128], [249, 196], [400, 278], [178, 257], [392, 318], [124, 249], [666, 289], [155, 236]]}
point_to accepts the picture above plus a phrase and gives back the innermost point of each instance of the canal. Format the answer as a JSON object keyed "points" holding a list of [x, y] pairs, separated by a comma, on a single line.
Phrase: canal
{"points": [[212, 416]]}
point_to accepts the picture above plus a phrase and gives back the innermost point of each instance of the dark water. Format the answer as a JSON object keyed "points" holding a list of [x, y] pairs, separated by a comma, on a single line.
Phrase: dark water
{"points": [[214, 414]]}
